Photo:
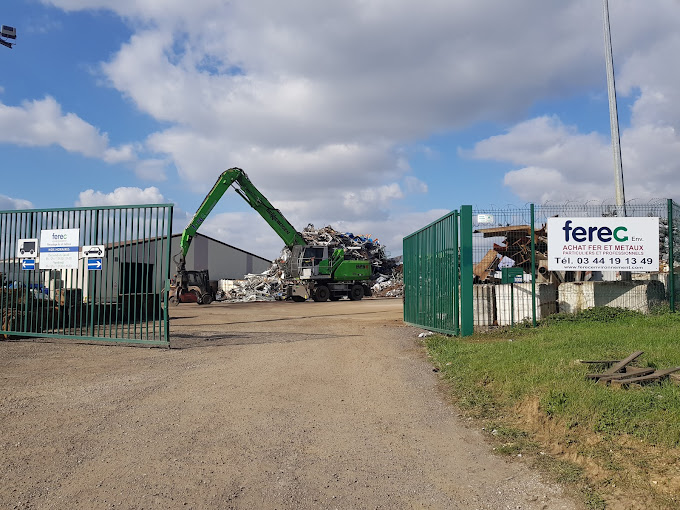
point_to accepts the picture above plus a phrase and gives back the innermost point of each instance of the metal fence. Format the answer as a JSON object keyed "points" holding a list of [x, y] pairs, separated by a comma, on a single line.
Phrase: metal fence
{"points": [[53, 286], [431, 276], [509, 277]]}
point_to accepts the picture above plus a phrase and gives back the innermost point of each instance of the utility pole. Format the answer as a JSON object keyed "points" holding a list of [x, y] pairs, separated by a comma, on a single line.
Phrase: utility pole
{"points": [[614, 122], [613, 115]]}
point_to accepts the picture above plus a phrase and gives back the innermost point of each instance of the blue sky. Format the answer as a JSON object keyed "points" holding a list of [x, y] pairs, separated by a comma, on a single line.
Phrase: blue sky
{"points": [[372, 116]]}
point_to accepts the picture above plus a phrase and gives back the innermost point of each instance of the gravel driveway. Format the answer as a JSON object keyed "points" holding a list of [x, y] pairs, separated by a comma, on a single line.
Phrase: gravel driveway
{"points": [[256, 406]]}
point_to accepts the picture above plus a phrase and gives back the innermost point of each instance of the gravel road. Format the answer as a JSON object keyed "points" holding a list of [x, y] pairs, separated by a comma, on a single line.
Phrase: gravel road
{"points": [[256, 406]]}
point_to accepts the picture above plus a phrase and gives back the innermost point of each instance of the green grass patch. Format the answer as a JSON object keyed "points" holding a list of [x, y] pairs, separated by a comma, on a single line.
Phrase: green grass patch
{"points": [[493, 375], [490, 372]]}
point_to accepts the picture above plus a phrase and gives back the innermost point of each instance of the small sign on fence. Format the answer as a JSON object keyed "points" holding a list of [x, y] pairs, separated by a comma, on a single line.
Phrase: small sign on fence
{"points": [[603, 244], [59, 248]]}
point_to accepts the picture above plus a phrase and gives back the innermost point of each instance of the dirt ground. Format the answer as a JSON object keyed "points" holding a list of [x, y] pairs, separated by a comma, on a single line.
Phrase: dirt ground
{"points": [[256, 406]]}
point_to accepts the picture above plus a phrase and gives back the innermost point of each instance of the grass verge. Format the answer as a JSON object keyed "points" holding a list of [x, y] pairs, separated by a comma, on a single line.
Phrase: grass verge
{"points": [[619, 447]]}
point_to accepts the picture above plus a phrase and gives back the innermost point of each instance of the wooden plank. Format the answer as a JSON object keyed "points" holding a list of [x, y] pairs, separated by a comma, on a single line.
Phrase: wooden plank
{"points": [[488, 264], [618, 366], [602, 361], [659, 374], [637, 372]]}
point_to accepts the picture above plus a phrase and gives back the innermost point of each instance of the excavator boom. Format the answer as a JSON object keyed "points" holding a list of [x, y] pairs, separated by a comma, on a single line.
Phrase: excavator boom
{"points": [[255, 199]]}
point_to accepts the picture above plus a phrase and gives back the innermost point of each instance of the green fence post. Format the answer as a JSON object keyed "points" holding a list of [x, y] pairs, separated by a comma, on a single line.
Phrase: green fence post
{"points": [[456, 282], [671, 242], [467, 313], [533, 267], [166, 277]]}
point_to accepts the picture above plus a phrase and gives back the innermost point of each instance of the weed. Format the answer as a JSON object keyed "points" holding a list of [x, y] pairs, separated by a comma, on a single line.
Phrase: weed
{"points": [[596, 314]]}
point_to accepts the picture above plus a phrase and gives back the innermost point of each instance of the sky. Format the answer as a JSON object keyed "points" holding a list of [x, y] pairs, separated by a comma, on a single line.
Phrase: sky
{"points": [[373, 116]]}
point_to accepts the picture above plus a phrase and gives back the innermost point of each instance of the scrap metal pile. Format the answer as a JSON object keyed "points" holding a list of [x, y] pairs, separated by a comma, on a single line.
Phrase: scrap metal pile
{"points": [[270, 285], [515, 251]]}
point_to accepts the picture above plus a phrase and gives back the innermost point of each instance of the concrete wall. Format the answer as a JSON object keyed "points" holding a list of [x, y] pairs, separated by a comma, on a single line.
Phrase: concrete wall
{"points": [[635, 295], [484, 309], [519, 295]]}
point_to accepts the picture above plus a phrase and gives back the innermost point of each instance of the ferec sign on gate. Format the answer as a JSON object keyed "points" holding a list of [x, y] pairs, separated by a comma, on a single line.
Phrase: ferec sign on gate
{"points": [[603, 244]]}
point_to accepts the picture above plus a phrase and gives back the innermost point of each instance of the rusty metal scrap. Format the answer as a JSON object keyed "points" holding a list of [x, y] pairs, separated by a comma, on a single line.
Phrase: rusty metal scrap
{"points": [[516, 246]]}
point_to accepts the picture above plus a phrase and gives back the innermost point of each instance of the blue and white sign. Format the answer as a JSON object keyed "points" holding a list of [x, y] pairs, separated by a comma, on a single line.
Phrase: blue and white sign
{"points": [[59, 249], [28, 264], [94, 264]]}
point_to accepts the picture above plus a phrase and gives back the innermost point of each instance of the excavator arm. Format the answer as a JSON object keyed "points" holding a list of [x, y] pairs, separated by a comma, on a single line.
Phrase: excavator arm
{"points": [[255, 199]]}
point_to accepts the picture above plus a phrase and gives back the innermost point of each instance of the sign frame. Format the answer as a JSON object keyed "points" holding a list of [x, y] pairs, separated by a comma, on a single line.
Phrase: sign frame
{"points": [[603, 244], [59, 249]]}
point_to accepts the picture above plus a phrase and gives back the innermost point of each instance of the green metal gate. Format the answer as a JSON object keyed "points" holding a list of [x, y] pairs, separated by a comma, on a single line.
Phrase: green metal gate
{"points": [[438, 275], [86, 273], [431, 297]]}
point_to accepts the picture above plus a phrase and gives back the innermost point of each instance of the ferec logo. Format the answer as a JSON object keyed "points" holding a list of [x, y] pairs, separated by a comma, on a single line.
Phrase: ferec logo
{"points": [[604, 234]]}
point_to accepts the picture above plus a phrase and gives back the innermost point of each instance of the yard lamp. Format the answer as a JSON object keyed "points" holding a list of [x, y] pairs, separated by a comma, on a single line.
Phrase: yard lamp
{"points": [[7, 32]]}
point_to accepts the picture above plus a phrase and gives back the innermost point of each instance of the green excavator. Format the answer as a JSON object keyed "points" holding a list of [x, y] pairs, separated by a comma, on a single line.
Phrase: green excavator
{"points": [[315, 271]]}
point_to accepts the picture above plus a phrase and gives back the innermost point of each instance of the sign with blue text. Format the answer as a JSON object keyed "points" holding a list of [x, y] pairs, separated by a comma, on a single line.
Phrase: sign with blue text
{"points": [[59, 249], [603, 244]]}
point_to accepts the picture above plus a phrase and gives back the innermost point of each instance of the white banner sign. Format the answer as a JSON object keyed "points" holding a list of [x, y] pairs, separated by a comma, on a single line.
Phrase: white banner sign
{"points": [[603, 244], [59, 249]]}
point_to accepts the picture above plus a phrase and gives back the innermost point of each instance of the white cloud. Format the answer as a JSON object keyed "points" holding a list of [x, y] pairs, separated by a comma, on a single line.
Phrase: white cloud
{"points": [[315, 99], [558, 163], [41, 123], [9, 203], [120, 196], [291, 94]]}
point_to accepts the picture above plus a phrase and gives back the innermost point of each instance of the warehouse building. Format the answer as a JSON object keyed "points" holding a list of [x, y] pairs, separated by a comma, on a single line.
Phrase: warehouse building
{"points": [[223, 261]]}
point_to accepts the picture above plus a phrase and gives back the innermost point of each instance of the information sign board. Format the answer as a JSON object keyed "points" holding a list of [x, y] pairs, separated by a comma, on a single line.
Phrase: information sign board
{"points": [[59, 249], [603, 244]]}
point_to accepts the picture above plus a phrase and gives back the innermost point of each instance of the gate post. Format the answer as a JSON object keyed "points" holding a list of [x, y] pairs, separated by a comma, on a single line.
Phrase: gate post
{"points": [[456, 274], [533, 266], [671, 271], [166, 279], [467, 314]]}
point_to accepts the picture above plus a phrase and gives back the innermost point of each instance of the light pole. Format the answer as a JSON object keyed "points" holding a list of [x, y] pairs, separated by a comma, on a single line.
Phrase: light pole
{"points": [[613, 115], [9, 33]]}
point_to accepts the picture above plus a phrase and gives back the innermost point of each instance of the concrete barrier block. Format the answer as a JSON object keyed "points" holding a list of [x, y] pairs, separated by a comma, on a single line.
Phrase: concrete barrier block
{"points": [[519, 296], [635, 295]]}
